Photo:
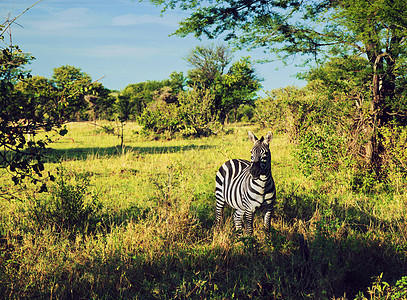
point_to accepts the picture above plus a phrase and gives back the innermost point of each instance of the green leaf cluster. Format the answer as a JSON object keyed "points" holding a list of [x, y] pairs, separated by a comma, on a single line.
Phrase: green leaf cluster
{"points": [[190, 116], [232, 84]]}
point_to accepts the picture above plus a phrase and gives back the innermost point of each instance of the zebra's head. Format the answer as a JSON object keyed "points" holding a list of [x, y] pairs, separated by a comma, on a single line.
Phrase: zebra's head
{"points": [[260, 159]]}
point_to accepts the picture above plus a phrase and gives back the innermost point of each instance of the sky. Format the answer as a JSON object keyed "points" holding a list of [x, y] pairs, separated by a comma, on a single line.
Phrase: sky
{"points": [[123, 41]]}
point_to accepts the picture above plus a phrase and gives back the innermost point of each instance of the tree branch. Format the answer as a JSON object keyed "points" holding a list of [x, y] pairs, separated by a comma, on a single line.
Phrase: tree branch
{"points": [[8, 22]]}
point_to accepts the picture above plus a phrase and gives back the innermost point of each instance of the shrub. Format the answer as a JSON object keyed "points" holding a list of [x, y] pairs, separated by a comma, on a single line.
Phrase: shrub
{"points": [[270, 111], [67, 206], [395, 142], [245, 113], [191, 115], [312, 120], [195, 113], [320, 150]]}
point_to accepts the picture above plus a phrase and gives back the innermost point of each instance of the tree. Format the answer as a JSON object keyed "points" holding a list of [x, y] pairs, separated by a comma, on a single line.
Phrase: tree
{"points": [[232, 86], [100, 101], [376, 30], [208, 63], [143, 93], [237, 87], [73, 85], [22, 111], [190, 115]]}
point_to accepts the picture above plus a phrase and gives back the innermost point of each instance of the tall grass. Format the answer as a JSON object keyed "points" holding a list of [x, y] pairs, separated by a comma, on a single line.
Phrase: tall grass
{"points": [[149, 228]]}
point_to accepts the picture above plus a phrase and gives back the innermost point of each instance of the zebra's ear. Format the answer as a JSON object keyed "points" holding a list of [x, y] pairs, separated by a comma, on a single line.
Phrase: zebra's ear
{"points": [[268, 137], [252, 137]]}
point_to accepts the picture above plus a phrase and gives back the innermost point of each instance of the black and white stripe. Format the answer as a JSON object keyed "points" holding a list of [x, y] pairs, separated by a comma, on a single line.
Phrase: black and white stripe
{"points": [[247, 185]]}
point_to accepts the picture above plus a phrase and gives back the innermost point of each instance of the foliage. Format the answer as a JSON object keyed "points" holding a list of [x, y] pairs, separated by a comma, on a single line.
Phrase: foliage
{"points": [[72, 84], [191, 115], [285, 109], [100, 102], [383, 290], [328, 120], [195, 113], [237, 87], [66, 207], [321, 150], [29, 104], [395, 157], [140, 95], [161, 117], [375, 32], [208, 63], [21, 114], [313, 120], [232, 85]]}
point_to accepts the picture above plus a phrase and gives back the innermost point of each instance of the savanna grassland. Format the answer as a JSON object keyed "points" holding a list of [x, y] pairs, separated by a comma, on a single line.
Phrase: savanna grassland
{"points": [[138, 222]]}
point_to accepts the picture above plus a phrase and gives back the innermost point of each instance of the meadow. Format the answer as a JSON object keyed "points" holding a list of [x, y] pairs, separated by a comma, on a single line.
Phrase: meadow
{"points": [[138, 222]]}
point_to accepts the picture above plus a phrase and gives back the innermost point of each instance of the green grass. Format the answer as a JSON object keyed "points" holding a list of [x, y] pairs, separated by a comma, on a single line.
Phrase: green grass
{"points": [[147, 228]]}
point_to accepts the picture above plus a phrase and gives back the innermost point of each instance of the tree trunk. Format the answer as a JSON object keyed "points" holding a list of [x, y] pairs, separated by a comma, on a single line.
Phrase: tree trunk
{"points": [[372, 154], [383, 90]]}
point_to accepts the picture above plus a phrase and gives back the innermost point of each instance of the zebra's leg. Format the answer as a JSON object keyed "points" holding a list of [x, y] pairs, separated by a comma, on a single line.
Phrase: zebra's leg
{"points": [[220, 204], [267, 219], [249, 221], [238, 218]]}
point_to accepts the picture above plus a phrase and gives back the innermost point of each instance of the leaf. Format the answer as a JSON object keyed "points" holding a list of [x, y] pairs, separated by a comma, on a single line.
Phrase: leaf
{"points": [[63, 131]]}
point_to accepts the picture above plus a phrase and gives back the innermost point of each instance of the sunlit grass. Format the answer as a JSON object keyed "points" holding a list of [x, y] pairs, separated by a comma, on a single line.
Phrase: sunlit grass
{"points": [[154, 236]]}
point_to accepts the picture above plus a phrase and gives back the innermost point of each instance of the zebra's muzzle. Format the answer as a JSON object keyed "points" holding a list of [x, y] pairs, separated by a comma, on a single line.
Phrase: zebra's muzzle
{"points": [[255, 170]]}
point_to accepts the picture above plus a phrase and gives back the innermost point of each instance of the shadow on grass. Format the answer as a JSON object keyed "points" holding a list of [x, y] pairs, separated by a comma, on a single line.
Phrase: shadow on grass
{"points": [[217, 272], [343, 251], [54, 155], [336, 263]]}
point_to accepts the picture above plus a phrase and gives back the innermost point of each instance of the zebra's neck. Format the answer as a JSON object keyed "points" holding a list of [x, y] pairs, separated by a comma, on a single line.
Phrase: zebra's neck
{"points": [[261, 181]]}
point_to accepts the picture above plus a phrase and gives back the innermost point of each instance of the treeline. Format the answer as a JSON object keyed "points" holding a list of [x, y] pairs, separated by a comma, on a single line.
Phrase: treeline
{"points": [[188, 105], [213, 90]]}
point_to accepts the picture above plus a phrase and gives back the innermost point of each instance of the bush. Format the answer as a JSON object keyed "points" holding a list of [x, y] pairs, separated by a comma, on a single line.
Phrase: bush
{"points": [[195, 113], [160, 117], [395, 143], [67, 207], [270, 111], [320, 150], [312, 120], [190, 116]]}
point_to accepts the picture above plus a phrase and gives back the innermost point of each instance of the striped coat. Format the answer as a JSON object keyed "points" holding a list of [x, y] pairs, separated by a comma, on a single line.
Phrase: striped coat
{"points": [[247, 185]]}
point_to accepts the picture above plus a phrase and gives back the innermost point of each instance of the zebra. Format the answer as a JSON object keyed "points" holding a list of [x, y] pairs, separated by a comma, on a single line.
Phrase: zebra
{"points": [[247, 185]]}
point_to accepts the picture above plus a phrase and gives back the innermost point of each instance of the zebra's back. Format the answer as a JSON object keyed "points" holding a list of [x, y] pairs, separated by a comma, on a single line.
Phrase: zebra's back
{"points": [[235, 186]]}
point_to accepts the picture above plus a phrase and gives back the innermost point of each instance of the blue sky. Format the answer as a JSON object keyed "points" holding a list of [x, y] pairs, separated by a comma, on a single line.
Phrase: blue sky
{"points": [[125, 41]]}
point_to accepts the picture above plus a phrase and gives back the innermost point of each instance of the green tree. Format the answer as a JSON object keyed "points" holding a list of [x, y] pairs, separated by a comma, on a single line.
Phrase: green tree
{"points": [[40, 101], [25, 105], [73, 85], [143, 93], [208, 63], [232, 85], [190, 115], [376, 30], [237, 87], [100, 101]]}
